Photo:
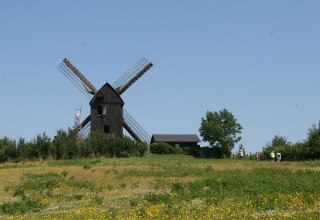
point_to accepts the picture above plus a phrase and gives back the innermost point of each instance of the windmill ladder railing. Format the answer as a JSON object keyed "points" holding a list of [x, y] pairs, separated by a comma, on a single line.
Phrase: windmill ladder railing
{"points": [[135, 127]]}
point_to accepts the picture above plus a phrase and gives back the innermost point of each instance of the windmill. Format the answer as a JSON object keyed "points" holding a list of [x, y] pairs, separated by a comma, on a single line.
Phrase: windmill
{"points": [[107, 112]]}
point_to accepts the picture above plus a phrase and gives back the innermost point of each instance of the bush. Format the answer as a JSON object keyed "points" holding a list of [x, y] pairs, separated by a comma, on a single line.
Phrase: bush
{"points": [[304, 150], [37, 148], [66, 144], [100, 144], [313, 142], [141, 149], [162, 148], [206, 152], [27, 150], [43, 145], [22, 207], [123, 147], [8, 149]]}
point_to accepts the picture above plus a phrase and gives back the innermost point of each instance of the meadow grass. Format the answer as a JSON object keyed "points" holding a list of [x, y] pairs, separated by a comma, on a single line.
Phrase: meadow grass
{"points": [[160, 187]]}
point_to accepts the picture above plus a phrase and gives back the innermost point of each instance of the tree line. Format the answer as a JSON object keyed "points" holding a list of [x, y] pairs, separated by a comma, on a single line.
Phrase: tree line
{"points": [[222, 131], [68, 145], [308, 149]]}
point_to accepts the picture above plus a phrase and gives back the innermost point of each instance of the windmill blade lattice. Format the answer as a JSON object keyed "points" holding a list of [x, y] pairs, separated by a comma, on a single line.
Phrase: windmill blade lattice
{"points": [[74, 79], [77, 82], [121, 85], [85, 131], [132, 75], [131, 125]]}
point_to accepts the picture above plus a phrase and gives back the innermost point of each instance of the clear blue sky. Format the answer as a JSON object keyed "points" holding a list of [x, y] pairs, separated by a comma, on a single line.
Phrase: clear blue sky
{"points": [[258, 59]]}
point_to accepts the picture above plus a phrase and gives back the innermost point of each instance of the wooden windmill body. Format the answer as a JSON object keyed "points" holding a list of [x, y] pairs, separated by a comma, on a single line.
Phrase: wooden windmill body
{"points": [[107, 112]]}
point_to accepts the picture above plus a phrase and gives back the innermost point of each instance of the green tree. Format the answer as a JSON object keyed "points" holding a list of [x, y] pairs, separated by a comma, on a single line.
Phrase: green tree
{"points": [[7, 149], [313, 142], [27, 150], [98, 144], [221, 130], [41, 146], [66, 144], [297, 151], [277, 144]]}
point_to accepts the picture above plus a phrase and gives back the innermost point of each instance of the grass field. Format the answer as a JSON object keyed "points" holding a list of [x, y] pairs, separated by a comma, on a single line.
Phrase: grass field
{"points": [[160, 187]]}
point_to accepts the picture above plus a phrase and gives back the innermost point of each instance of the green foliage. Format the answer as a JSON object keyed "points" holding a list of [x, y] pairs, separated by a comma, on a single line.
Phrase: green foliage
{"points": [[100, 144], [98, 200], [7, 149], [163, 148], [207, 152], [74, 162], [169, 186], [35, 187], [141, 149], [157, 198], [26, 150], [65, 173], [304, 150], [246, 185], [66, 144], [297, 151], [43, 145], [123, 147], [37, 148], [220, 129], [38, 183], [313, 142], [25, 205], [277, 144]]}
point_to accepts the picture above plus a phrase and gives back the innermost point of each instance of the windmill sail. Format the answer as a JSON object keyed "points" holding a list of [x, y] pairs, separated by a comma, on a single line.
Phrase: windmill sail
{"points": [[132, 75], [85, 131], [121, 85], [134, 129], [85, 121], [77, 78], [79, 74]]}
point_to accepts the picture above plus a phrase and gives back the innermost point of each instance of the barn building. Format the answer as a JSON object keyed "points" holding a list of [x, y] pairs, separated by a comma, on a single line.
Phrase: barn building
{"points": [[107, 111], [177, 140]]}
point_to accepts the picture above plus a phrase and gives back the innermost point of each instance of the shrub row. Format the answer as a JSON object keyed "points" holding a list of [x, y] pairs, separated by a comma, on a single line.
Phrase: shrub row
{"points": [[308, 149], [164, 148], [199, 152], [68, 145], [98, 144], [207, 152]]}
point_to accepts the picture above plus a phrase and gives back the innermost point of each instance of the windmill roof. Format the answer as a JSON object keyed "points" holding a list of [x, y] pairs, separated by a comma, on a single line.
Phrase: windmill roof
{"points": [[175, 138], [98, 94]]}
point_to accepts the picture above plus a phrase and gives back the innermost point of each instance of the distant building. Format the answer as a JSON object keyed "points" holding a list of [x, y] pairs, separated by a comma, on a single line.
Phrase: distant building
{"points": [[177, 140]]}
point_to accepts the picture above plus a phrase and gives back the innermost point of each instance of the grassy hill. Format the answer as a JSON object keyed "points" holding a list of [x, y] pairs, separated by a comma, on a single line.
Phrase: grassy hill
{"points": [[159, 187]]}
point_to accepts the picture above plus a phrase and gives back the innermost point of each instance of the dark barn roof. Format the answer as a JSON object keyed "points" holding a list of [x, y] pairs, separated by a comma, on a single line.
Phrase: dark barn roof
{"points": [[175, 138]]}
